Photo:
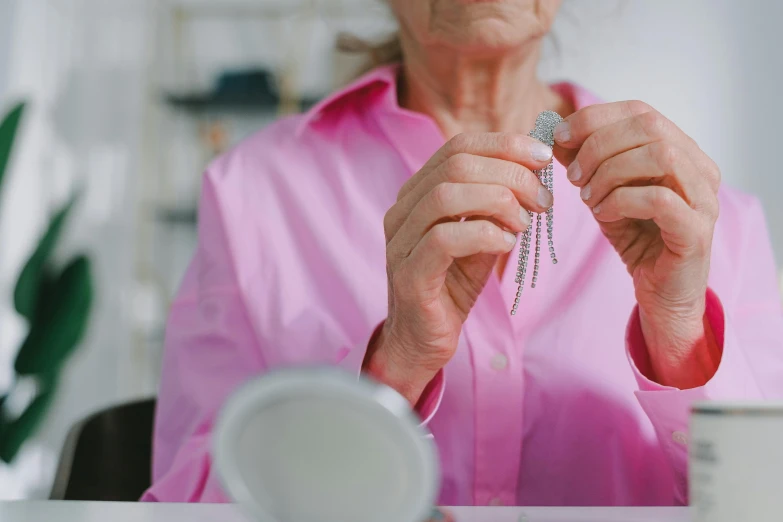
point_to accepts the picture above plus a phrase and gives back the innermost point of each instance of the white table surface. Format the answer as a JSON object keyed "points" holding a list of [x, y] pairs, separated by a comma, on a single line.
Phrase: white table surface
{"points": [[40, 511]]}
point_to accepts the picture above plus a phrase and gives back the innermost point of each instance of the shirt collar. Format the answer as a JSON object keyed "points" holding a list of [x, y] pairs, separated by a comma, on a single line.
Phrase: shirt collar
{"points": [[384, 77]]}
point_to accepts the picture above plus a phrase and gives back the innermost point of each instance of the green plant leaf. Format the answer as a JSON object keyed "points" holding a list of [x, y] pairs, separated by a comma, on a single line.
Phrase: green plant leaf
{"points": [[27, 290], [14, 433], [59, 324], [8, 129]]}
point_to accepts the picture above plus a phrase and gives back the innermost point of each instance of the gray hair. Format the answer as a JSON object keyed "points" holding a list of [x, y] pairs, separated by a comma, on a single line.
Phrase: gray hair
{"points": [[381, 52]]}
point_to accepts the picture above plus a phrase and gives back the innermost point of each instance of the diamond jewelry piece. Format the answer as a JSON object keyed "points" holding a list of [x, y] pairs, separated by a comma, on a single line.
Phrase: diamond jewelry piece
{"points": [[543, 132]]}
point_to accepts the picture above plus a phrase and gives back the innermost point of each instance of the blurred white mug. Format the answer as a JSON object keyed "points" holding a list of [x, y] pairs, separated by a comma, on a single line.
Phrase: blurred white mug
{"points": [[736, 462]]}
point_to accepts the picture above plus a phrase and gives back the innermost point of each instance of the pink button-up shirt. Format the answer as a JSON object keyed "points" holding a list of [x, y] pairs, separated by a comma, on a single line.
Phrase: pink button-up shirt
{"points": [[550, 407]]}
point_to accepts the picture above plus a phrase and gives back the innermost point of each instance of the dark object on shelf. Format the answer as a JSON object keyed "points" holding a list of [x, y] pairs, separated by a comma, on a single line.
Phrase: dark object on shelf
{"points": [[252, 89], [108, 455], [178, 216]]}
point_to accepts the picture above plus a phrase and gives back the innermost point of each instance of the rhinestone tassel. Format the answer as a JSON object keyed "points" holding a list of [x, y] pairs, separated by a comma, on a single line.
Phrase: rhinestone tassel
{"points": [[543, 132]]}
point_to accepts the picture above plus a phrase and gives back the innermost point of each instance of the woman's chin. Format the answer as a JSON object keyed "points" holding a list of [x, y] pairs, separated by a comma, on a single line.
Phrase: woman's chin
{"points": [[489, 36]]}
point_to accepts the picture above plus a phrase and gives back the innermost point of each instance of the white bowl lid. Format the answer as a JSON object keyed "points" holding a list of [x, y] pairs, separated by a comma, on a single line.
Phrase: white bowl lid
{"points": [[320, 445]]}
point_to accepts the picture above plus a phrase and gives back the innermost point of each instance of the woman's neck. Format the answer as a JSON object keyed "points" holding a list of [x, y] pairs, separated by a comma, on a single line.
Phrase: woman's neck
{"points": [[477, 94]]}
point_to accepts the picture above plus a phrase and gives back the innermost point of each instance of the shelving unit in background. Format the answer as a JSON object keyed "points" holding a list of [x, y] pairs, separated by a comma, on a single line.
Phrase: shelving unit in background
{"points": [[197, 41]]}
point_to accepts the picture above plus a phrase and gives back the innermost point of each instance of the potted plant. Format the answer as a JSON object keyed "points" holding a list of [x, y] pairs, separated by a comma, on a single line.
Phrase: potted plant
{"points": [[55, 299]]}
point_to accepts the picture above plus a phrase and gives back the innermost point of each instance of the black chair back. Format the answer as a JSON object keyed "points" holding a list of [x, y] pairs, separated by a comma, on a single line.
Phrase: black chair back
{"points": [[108, 455]]}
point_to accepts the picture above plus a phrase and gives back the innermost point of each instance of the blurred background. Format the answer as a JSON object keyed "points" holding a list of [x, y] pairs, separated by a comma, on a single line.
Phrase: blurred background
{"points": [[129, 99]]}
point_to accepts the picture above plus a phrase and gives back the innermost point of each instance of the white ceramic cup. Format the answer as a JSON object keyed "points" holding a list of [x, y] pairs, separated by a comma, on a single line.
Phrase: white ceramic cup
{"points": [[736, 462], [321, 445]]}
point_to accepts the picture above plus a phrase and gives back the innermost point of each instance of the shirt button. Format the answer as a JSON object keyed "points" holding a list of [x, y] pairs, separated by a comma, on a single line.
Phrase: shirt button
{"points": [[499, 362], [680, 438], [495, 502]]}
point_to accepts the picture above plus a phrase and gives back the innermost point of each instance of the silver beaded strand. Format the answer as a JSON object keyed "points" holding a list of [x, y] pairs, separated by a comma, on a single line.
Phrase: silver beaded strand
{"points": [[543, 132]]}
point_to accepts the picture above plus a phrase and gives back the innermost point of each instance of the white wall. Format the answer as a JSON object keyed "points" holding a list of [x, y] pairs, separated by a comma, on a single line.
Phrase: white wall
{"points": [[22, 202], [6, 20], [715, 67]]}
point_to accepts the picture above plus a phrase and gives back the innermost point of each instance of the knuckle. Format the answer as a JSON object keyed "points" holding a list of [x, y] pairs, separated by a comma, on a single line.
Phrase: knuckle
{"points": [[591, 149], [634, 107], [406, 188], [713, 172], [713, 209], [459, 166], [459, 143], [512, 145], [717, 175], [505, 196], [666, 155], [586, 118], [440, 236], [443, 196], [388, 224], [489, 233], [663, 198], [653, 123]]}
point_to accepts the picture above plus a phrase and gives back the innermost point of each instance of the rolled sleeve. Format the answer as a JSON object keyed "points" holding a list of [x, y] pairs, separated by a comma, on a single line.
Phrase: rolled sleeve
{"points": [[748, 334], [669, 408], [427, 407], [431, 398]]}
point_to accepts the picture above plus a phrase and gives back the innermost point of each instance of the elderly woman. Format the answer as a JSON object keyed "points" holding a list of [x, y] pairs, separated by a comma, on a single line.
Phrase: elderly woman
{"points": [[378, 232]]}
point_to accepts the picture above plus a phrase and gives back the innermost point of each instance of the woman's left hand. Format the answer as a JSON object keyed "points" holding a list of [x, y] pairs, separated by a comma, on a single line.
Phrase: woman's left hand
{"points": [[654, 194]]}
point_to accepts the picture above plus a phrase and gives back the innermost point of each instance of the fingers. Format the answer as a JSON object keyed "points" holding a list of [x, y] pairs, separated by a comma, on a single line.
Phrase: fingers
{"points": [[453, 201], [577, 127], [591, 135], [658, 163], [516, 148], [617, 138], [468, 169], [681, 226], [425, 268]]}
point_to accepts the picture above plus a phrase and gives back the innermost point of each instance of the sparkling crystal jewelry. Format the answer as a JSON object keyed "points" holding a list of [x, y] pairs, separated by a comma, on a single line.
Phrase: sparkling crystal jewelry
{"points": [[543, 132]]}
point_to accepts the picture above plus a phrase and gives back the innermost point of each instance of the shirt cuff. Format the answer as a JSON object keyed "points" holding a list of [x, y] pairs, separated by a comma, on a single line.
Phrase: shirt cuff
{"points": [[733, 378], [430, 399], [668, 408]]}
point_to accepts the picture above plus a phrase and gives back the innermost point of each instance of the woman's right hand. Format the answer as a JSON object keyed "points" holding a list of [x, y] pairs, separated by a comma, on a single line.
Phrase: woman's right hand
{"points": [[438, 263]]}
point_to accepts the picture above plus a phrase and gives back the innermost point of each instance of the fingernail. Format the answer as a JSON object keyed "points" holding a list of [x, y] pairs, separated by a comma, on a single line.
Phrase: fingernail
{"points": [[585, 193], [437, 515], [596, 209], [545, 198], [540, 152], [563, 132], [524, 217], [574, 171], [510, 238]]}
